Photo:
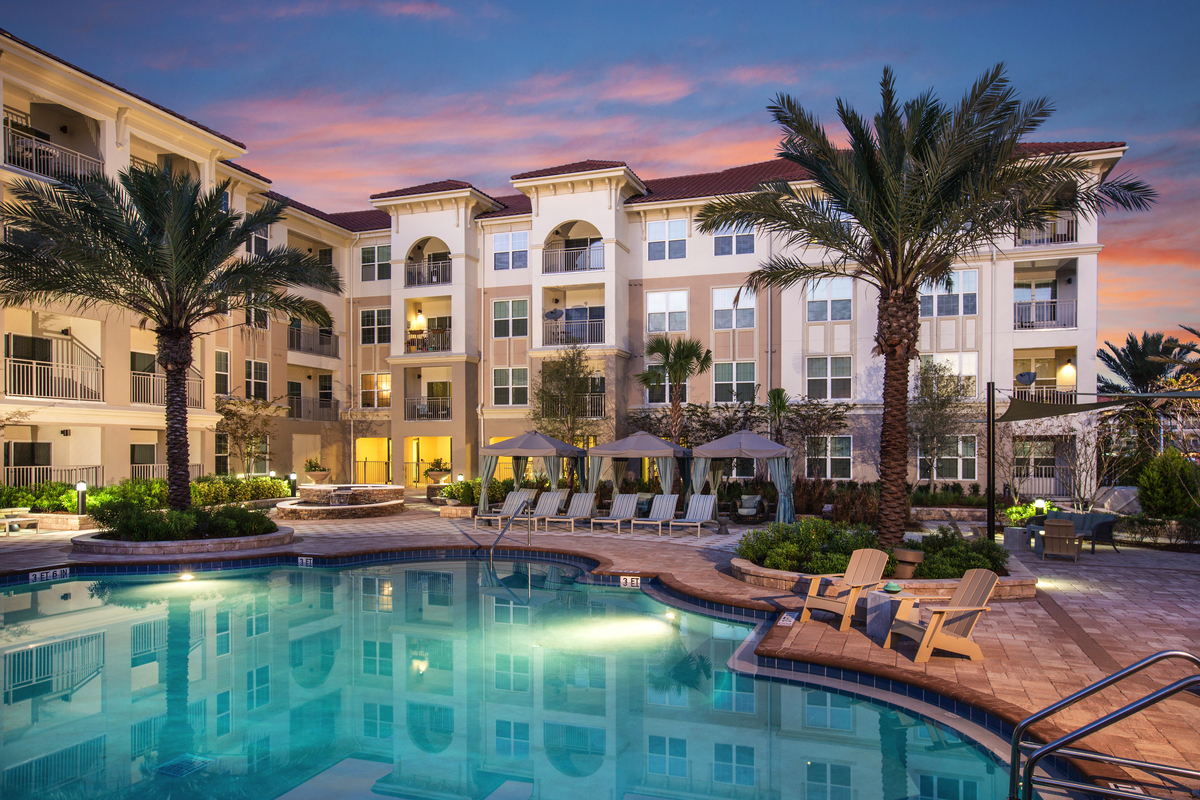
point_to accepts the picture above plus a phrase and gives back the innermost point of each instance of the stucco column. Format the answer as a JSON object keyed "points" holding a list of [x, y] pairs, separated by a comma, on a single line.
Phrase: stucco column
{"points": [[114, 451], [117, 346]]}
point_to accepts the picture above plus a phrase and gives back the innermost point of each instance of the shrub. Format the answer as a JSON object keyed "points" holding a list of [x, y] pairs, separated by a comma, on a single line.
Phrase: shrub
{"points": [[1018, 515], [808, 545], [828, 563], [144, 492], [809, 495], [16, 497], [948, 554], [127, 521], [1163, 485], [857, 506]]}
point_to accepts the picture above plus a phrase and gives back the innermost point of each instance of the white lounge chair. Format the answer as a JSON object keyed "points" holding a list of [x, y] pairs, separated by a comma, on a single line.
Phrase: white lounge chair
{"points": [[583, 505], [549, 504], [663, 510], [512, 504], [865, 571], [952, 625], [699, 513], [623, 509]]}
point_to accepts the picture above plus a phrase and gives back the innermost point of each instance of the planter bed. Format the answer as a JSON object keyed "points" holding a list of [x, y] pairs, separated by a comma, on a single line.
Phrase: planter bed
{"points": [[1010, 587], [298, 509], [957, 513], [91, 543]]}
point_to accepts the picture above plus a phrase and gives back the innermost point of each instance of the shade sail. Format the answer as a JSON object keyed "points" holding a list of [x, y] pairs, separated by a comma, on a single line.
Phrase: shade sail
{"points": [[743, 444], [639, 445], [532, 444]]}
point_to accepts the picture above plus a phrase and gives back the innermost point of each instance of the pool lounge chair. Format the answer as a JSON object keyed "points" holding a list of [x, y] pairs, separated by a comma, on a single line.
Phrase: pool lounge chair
{"points": [[865, 571], [952, 625], [662, 511], [583, 505], [623, 510], [699, 513], [549, 504], [511, 504]]}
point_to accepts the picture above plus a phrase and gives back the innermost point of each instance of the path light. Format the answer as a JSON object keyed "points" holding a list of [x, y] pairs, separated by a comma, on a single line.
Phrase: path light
{"points": [[1039, 505], [81, 498], [271, 473], [460, 477], [292, 481]]}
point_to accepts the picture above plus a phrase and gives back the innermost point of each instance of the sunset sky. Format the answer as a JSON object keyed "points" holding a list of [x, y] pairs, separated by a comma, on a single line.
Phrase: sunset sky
{"points": [[337, 99]]}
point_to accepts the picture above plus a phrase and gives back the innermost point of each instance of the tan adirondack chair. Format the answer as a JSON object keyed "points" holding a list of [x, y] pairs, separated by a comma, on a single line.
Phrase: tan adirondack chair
{"points": [[663, 510], [952, 625], [865, 571], [1059, 539], [583, 505]]}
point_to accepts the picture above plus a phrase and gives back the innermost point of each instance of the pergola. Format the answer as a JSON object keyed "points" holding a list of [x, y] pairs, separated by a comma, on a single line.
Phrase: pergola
{"points": [[520, 449], [746, 444], [637, 445]]}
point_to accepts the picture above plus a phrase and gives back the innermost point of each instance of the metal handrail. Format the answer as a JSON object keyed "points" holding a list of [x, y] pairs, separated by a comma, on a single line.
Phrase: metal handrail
{"points": [[1014, 776], [523, 507]]}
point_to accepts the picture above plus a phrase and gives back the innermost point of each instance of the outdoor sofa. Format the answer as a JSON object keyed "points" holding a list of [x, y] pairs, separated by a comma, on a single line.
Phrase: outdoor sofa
{"points": [[1093, 526]]}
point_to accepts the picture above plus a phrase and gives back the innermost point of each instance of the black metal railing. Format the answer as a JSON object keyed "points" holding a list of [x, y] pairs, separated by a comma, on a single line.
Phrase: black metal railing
{"points": [[427, 408], [312, 408], [435, 341], [318, 341]]}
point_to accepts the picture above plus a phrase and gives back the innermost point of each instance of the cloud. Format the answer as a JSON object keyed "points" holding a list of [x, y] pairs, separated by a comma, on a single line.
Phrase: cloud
{"points": [[419, 9]]}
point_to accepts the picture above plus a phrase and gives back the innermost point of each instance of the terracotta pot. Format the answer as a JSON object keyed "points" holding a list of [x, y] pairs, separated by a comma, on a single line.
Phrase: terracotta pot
{"points": [[317, 476], [906, 562]]}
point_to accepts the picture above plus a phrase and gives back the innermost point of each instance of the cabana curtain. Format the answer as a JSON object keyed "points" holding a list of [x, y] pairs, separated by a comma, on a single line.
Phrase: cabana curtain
{"points": [[781, 476], [595, 465], [553, 470], [487, 471], [666, 472], [519, 464]]}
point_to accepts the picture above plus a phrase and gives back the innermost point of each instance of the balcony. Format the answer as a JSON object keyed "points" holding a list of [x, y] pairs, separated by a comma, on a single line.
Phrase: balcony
{"points": [[1037, 480], [53, 380], [1041, 314], [318, 341], [1064, 230], [427, 341], [35, 154], [26, 476], [427, 273], [372, 472], [556, 333], [582, 406], [572, 259], [159, 471], [1058, 395], [427, 408], [312, 408], [150, 389]]}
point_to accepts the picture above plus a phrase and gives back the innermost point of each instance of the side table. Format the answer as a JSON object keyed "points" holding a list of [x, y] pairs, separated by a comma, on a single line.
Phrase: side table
{"points": [[883, 609], [1016, 539]]}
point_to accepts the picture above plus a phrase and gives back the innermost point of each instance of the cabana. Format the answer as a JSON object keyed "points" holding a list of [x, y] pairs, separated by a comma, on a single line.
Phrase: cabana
{"points": [[520, 449], [745, 444], [637, 445]]}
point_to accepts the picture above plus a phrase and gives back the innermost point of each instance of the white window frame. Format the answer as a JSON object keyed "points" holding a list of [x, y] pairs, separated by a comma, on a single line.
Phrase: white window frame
{"points": [[506, 612], [667, 305], [734, 241], [259, 243], [964, 365], [221, 454], [737, 767], [224, 713], [506, 318], [666, 239], [928, 788], [378, 321], [824, 448], [510, 676], [939, 301], [664, 387], [376, 723], [825, 788], [218, 372], [224, 641], [672, 761], [728, 315], [828, 711], [377, 595], [740, 700], [379, 263], [258, 319], [509, 384], [258, 687], [376, 659], [956, 459], [741, 390], [830, 300], [516, 746], [257, 387], [514, 247], [822, 384], [375, 390]]}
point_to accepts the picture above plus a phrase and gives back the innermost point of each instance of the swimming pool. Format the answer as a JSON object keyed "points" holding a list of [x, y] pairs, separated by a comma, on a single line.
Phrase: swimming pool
{"points": [[431, 679]]}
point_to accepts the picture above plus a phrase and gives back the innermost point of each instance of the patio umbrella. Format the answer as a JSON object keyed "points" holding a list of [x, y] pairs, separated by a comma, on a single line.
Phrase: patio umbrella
{"points": [[520, 449], [644, 445], [747, 444]]}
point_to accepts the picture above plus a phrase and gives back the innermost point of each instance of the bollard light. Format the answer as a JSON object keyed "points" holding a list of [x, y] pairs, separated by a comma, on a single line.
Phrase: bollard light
{"points": [[1039, 505], [292, 481], [81, 498], [460, 477], [272, 473]]}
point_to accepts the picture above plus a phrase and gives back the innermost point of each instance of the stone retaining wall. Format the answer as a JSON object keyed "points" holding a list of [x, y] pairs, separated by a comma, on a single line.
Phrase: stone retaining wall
{"points": [[361, 495], [90, 543], [290, 510], [62, 522], [1010, 587], [932, 513]]}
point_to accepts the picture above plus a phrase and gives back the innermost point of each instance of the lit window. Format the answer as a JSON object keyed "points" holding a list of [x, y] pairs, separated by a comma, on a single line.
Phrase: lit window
{"points": [[376, 389], [829, 378], [728, 241], [666, 239], [733, 381], [666, 311], [377, 263], [727, 314], [376, 594], [830, 299], [510, 250]]}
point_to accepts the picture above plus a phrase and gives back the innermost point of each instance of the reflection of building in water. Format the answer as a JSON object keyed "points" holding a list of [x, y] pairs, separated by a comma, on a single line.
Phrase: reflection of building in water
{"points": [[435, 680]]}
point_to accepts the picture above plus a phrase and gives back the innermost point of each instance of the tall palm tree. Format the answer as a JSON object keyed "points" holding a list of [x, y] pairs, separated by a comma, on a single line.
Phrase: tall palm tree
{"points": [[676, 361], [920, 188], [779, 403], [156, 244], [1140, 364]]}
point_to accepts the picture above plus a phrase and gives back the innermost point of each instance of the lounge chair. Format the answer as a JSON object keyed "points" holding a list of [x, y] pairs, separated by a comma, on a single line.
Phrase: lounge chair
{"points": [[512, 504], [699, 513], [549, 504], [583, 505], [865, 571], [662, 511], [747, 508], [951, 626], [623, 510]]}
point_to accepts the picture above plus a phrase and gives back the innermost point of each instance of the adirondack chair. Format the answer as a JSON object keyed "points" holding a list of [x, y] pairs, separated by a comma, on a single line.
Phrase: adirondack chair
{"points": [[865, 571], [699, 513], [952, 625], [511, 504], [583, 505], [1060, 539], [622, 510], [662, 511]]}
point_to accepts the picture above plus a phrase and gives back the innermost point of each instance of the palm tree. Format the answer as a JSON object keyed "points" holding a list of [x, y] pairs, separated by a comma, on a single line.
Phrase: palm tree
{"points": [[157, 245], [920, 188], [779, 403], [1139, 365], [678, 360]]}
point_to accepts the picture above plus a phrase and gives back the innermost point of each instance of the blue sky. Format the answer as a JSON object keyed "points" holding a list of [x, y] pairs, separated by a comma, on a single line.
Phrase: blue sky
{"points": [[338, 98]]}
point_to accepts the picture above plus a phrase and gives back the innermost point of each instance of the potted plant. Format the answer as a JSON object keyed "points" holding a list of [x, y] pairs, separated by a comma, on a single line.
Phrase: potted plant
{"points": [[437, 471], [906, 562], [315, 472]]}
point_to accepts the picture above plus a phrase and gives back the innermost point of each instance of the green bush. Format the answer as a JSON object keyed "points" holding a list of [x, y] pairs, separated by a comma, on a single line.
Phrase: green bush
{"points": [[828, 563], [218, 489], [923, 497], [467, 492], [15, 497], [1163, 486], [52, 496], [948, 554], [125, 520], [1018, 515], [145, 492], [806, 545]]}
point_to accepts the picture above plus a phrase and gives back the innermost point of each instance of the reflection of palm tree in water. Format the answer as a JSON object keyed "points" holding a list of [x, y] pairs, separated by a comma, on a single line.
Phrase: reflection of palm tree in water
{"points": [[677, 667], [176, 737]]}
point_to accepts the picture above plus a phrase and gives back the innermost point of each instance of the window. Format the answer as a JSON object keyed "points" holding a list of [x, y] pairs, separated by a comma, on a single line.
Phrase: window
{"points": [[728, 314], [376, 594], [673, 695], [964, 365], [512, 673], [295, 588], [662, 392], [376, 389], [830, 299], [224, 717], [377, 263], [225, 201], [829, 378], [667, 756], [377, 721], [510, 318], [142, 362], [376, 326], [259, 242], [508, 613], [258, 754], [960, 297], [667, 239], [827, 781], [222, 376], [256, 380], [930, 787], [733, 764], [224, 634], [258, 616], [733, 692], [296, 653], [827, 710], [510, 387], [576, 669], [733, 381], [510, 250], [955, 459], [327, 593], [728, 240], [325, 388], [257, 318], [829, 457], [666, 311], [512, 739], [377, 658], [262, 456], [258, 687], [221, 451]]}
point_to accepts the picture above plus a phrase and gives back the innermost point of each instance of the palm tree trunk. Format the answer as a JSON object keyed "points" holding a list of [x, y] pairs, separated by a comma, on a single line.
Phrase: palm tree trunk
{"points": [[175, 356], [676, 415], [897, 339]]}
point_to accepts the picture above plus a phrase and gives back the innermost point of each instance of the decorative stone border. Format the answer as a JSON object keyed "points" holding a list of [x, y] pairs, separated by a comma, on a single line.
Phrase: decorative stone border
{"points": [[294, 509], [934, 513], [1010, 587], [62, 522], [92, 544], [359, 494]]}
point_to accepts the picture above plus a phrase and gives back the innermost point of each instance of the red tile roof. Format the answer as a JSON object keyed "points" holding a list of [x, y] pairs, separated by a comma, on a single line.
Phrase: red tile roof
{"points": [[730, 181], [370, 220], [6, 35], [307, 209], [424, 188], [246, 170], [590, 165], [512, 205]]}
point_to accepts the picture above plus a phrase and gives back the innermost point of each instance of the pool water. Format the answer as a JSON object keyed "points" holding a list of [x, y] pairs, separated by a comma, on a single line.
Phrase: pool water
{"points": [[438, 679]]}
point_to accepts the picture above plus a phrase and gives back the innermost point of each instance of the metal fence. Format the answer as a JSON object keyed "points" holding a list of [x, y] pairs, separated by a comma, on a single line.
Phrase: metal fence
{"points": [[27, 476], [1038, 314], [318, 341], [1062, 231], [151, 389], [53, 381], [556, 333], [312, 408], [574, 259], [372, 472], [427, 273], [427, 408], [159, 471], [584, 406], [46, 158]]}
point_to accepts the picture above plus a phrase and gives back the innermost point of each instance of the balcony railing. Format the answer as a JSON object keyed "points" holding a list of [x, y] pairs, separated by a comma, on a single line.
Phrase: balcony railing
{"points": [[142, 163], [1035, 480], [414, 472], [1038, 314], [27, 476], [427, 408], [372, 472], [437, 341], [427, 273], [1064, 230], [574, 259], [313, 408], [151, 389], [557, 333], [159, 471], [1060, 395], [46, 158], [583, 406], [318, 341], [52, 380]]}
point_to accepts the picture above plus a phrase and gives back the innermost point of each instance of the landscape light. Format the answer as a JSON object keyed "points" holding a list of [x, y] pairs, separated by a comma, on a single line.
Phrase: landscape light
{"points": [[1039, 505], [81, 498], [271, 473], [187, 576], [460, 477]]}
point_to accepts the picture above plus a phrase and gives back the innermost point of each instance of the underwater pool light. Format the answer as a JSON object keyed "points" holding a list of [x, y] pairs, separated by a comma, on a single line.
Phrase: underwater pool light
{"points": [[187, 576]]}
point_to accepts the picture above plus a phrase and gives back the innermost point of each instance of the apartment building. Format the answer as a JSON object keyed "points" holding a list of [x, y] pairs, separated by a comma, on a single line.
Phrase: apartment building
{"points": [[456, 296]]}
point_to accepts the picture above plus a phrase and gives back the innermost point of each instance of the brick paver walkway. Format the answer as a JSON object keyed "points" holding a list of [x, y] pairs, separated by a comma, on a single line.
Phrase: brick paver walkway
{"points": [[1088, 619]]}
